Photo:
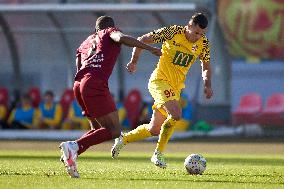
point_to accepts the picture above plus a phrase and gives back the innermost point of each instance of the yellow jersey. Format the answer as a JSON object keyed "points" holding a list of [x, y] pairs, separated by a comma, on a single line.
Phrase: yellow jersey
{"points": [[178, 54]]}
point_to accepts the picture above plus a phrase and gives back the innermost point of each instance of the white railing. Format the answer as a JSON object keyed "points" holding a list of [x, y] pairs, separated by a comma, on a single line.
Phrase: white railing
{"points": [[96, 7]]}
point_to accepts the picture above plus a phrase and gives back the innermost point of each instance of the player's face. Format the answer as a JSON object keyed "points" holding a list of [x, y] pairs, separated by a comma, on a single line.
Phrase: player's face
{"points": [[194, 32], [26, 101], [48, 98]]}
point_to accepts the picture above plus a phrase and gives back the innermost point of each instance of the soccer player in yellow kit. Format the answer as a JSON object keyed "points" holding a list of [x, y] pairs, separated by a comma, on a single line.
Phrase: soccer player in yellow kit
{"points": [[181, 46]]}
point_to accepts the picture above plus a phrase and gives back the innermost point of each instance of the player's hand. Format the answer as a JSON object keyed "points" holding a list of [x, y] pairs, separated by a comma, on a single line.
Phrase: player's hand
{"points": [[156, 51], [131, 67], [208, 92]]}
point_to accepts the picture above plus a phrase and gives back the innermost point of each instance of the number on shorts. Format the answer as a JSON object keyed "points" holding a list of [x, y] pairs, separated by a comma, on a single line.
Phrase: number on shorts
{"points": [[169, 93]]}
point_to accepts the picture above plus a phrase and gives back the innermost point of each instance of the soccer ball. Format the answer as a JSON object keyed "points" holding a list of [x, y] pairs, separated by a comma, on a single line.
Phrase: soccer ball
{"points": [[195, 164]]}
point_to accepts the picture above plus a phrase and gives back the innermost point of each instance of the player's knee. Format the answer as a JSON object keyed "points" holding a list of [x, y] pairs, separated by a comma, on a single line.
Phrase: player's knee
{"points": [[175, 113], [176, 116]]}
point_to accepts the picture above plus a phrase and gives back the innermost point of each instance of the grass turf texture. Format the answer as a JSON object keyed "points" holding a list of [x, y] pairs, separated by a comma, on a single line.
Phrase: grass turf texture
{"points": [[42, 169]]}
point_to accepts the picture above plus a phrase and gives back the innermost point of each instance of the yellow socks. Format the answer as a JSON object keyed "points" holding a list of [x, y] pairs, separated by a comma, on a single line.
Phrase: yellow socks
{"points": [[139, 133], [166, 132], [142, 132]]}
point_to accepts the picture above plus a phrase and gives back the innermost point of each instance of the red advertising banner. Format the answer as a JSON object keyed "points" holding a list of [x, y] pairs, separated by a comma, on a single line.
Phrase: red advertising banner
{"points": [[253, 28]]}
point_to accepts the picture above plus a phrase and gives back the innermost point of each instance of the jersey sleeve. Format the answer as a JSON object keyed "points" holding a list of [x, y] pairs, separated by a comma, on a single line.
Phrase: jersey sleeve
{"points": [[205, 52], [166, 33]]}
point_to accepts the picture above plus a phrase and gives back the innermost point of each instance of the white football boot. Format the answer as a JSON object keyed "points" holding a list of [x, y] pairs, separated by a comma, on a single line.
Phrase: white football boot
{"points": [[118, 145], [158, 159], [69, 155]]}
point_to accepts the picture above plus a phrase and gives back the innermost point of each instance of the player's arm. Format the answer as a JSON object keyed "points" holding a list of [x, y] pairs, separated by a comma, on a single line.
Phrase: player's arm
{"points": [[206, 69], [136, 52], [156, 36], [148, 39], [119, 37], [3, 112], [206, 75], [36, 118], [11, 117]]}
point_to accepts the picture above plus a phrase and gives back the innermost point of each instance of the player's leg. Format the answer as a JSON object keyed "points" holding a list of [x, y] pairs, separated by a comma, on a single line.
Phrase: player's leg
{"points": [[156, 90], [174, 113], [101, 111], [140, 133], [77, 88], [166, 101], [93, 96], [94, 126], [110, 129], [162, 92], [78, 96], [146, 130], [69, 148]]}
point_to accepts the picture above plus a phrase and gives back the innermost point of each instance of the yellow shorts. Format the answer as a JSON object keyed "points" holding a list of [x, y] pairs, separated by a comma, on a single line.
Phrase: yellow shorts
{"points": [[162, 92]]}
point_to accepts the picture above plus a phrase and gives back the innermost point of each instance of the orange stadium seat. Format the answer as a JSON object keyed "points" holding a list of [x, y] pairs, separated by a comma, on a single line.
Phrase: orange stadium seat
{"points": [[65, 101], [34, 93], [249, 108], [273, 111], [132, 104], [4, 98]]}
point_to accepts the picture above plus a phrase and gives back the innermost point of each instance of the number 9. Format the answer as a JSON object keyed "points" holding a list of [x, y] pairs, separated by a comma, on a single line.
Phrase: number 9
{"points": [[167, 93]]}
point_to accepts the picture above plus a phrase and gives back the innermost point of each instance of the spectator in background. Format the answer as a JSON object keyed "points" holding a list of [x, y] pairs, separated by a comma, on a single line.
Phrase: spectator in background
{"points": [[146, 113], [50, 112], [75, 119], [122, 115], [3, 113], [25, 116]]}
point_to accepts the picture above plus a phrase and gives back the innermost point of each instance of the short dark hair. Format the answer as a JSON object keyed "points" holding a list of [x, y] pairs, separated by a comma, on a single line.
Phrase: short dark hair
{"points": [[49, 93], [104, 22], [26, 96], [200, 19]]}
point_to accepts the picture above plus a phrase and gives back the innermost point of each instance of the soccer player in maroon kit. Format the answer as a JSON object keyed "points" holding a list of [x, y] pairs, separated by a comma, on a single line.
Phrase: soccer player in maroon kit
{"points": [[95, 60]]}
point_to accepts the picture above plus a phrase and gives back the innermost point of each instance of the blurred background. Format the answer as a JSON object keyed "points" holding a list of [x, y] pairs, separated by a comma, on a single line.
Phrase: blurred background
{"points": [[37, 56]]}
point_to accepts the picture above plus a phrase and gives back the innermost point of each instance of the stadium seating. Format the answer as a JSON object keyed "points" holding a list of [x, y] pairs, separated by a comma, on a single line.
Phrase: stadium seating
{"points": [[35, 95], [249, 108], [133, 105], [273, 111], [4, 96], [65, 101]]}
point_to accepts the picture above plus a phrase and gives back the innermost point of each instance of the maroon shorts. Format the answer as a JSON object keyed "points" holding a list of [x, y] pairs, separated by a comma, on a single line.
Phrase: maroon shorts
{"points": [[94, 96]]}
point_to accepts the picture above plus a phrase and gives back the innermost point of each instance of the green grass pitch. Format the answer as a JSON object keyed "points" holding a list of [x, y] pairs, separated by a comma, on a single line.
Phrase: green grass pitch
{"points": [[42, 169]]}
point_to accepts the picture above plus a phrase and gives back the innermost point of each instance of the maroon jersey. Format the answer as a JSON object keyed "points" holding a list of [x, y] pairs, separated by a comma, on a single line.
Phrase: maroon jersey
{"points": [[98, 54]]}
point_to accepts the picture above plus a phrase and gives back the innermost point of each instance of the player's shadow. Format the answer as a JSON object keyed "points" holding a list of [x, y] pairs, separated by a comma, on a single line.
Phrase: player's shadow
{"points": [[191, 178], [140, 158]]}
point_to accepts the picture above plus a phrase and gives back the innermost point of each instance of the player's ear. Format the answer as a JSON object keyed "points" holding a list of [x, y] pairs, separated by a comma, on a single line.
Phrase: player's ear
{"points": [[190, 25]]}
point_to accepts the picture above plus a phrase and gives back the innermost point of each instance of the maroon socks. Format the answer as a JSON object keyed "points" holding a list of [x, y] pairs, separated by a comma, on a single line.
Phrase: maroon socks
{"points": [[93, 137]]}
